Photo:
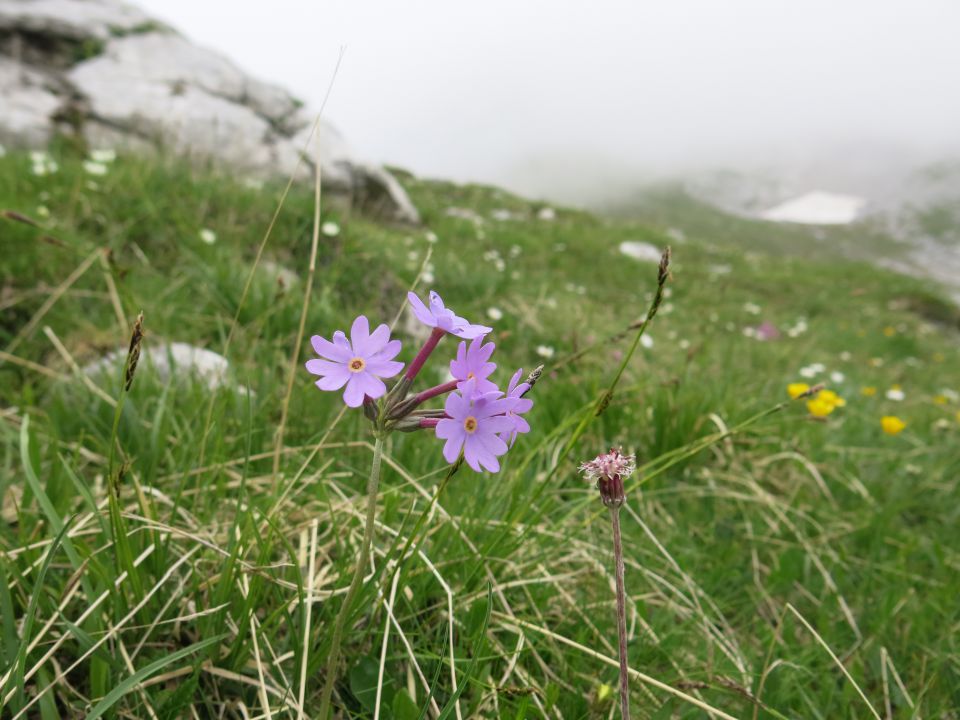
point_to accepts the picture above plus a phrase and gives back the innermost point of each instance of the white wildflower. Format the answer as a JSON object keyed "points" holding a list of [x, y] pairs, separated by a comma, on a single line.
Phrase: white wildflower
{"points": [[93, 167], [494, 313], [330, 228], [208, 236], [545, 351], [646, 341], [895, 394], [103, 155]]}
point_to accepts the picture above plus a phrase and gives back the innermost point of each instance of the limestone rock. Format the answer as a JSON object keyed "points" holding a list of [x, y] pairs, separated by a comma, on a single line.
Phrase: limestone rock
{"points": [[106, 71]]}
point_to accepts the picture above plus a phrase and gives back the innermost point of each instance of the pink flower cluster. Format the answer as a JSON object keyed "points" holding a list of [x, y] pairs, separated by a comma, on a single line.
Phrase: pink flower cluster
{"points": [[478, 419]]}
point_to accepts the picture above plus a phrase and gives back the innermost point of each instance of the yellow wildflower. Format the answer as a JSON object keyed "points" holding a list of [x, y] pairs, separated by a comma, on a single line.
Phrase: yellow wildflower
{"points": [[831, 397], [940, 399], [939, 357], [958, 415], [797, 389], [869, 391], [889, 331], [819, 407], [891, 424]]}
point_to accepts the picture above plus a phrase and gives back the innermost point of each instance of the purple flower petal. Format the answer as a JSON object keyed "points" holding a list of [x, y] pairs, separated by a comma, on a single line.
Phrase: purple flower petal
{"points": [[371, 385], [359, 335], [333, 382], [378, 340], [353, 395], [384, 368], [447, 429], [451, 449], [325, 348], [420, 310], [388, 352], [323, 367]]}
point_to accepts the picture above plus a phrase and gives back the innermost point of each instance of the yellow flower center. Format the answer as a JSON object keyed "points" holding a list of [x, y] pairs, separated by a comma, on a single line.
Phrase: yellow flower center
{"points": [[470, 376], [357, 365], [470, 424]]}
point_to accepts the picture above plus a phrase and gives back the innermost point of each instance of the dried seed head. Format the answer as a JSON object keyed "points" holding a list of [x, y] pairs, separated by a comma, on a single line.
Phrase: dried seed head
{"points": [[664, 269], [533, 377], [133, 354], [810, 392]]}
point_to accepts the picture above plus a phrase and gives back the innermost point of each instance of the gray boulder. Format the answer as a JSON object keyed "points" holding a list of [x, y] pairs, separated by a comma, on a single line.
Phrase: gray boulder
{"points": [[109, 73]]}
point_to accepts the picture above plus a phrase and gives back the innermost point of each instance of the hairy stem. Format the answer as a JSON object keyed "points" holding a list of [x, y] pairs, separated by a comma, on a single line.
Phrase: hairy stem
{"points": [[333, 658], [621, 614]]}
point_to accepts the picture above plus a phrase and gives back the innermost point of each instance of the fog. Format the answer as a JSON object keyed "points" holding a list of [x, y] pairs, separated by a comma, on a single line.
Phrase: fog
{"points": [[574, 100]]}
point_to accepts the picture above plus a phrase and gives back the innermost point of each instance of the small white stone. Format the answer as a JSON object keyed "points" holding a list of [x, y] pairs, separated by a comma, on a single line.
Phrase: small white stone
{"points": [[640, 251]]}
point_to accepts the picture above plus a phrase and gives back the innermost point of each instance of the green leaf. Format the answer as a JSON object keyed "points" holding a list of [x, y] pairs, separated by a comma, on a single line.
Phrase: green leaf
{"points": [[19, 669], [363, 683], [128, 684], [404, 708], [479, 647]]}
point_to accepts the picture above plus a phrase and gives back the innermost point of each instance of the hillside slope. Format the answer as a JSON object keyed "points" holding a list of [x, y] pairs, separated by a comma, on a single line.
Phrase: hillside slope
{"points": [[750, 553]]}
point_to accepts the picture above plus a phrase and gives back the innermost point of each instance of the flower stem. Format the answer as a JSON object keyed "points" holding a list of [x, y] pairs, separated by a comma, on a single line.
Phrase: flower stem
{"points": [[333, 658], [422, 397], [621, 614], [421, 358]]}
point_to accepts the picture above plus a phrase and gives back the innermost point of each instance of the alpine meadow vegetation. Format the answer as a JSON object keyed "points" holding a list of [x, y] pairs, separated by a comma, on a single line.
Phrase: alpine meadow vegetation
{"points": [[366, 509]]}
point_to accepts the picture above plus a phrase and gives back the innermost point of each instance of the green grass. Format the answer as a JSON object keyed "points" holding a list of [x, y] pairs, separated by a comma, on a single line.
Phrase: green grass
{"points": [[853, 529]]}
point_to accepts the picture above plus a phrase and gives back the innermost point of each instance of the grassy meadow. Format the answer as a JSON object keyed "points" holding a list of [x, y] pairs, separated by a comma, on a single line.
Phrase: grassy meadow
{"points": [[778, 565]]}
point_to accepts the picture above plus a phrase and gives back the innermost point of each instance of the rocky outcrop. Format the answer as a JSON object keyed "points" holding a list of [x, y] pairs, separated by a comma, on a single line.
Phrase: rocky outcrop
{"points": [[112, 75]]}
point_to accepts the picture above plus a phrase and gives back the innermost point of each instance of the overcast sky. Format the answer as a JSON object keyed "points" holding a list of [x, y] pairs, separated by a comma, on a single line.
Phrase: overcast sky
{"points": [[548, 96]]}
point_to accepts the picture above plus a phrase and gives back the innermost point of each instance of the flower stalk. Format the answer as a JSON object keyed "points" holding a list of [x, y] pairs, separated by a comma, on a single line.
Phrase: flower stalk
{"points": [[475, 421], [609, 470], [333, 657], [428, 347], [621, 613]]}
